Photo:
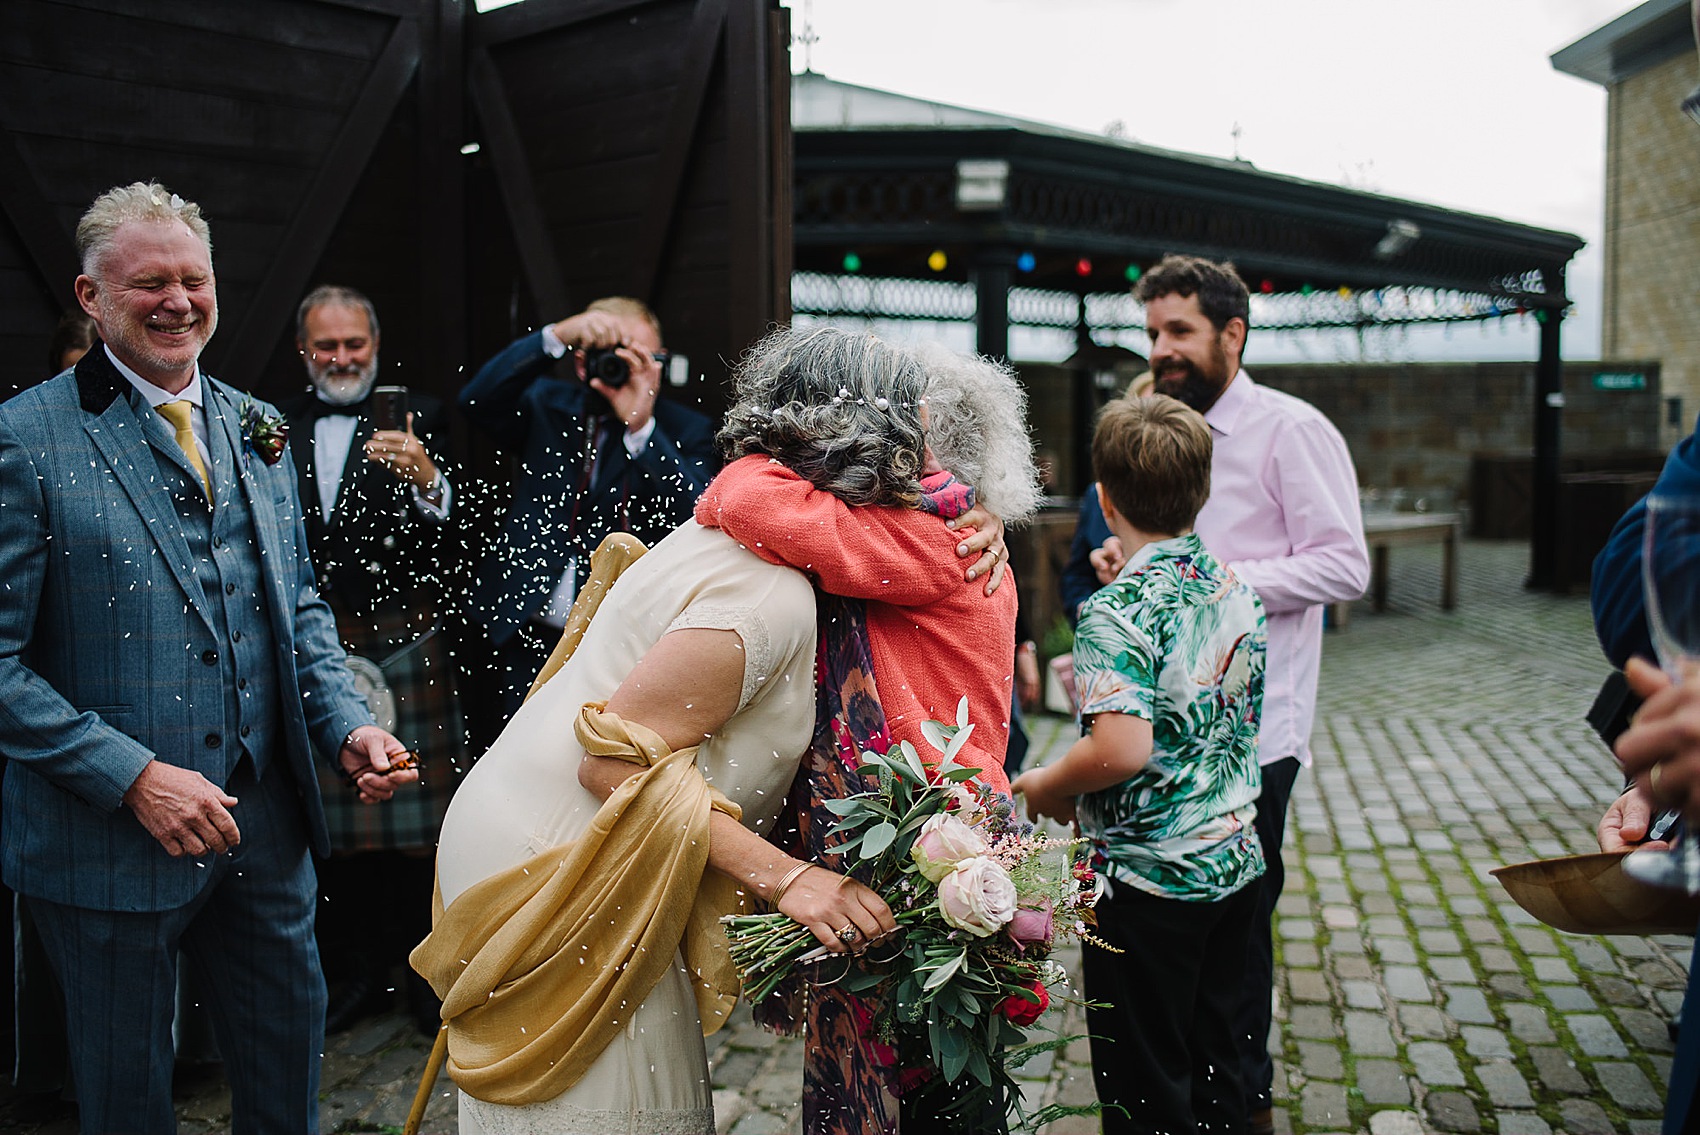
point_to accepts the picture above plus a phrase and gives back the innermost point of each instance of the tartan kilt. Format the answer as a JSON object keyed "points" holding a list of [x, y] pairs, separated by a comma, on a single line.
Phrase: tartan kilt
{"points": [[413, 655]]}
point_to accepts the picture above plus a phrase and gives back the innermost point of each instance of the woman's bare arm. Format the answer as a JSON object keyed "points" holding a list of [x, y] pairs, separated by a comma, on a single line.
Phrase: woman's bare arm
{"points": [[685, 688]]}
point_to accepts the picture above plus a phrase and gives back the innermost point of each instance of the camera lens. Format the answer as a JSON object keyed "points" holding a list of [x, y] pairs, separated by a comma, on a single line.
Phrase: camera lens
{"points": [[603, 363]]}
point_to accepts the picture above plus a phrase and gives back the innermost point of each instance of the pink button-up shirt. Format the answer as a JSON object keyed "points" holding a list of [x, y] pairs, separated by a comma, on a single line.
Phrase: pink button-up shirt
{"points": [[1283, 513]]}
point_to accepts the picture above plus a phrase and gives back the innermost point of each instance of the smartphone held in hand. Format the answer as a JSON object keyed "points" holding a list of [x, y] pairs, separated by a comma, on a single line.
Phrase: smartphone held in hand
{"points": [[389, 407]]}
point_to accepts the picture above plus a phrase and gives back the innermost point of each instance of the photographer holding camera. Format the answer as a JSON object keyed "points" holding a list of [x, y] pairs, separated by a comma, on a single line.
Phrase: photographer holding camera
{"points": [[598, 454]]}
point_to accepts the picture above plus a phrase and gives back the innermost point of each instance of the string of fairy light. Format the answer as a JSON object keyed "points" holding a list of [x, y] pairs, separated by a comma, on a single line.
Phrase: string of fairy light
{"points": [[854, 295]]}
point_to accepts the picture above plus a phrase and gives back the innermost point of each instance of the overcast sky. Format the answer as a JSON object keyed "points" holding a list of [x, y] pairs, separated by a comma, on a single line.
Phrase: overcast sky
{"points": [[1447, 101]]}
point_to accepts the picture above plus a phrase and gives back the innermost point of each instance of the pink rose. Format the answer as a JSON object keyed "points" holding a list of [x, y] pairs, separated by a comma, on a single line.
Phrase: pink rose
{"points": [[1020, 1011], [1032, 926], [944, 842], [978, 896]]}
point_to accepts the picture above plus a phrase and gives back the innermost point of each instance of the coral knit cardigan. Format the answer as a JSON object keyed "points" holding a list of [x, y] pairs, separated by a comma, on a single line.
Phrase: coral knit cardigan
{"points": [[935, 638]]}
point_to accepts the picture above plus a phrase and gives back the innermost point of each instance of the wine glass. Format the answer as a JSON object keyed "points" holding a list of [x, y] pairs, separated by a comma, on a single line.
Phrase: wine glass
{"points": [[1670, 579]]}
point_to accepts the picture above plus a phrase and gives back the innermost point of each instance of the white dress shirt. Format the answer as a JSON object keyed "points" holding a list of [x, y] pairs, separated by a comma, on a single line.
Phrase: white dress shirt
{"points": [[157, 397], [333, 437]]}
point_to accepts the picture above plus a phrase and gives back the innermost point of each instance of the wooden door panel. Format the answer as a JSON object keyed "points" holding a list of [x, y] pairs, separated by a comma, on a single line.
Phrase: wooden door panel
{"points": [[323, 139]]}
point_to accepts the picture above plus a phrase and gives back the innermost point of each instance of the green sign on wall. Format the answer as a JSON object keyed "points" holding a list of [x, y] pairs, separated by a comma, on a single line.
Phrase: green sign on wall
{"points": [[1620, 380]]}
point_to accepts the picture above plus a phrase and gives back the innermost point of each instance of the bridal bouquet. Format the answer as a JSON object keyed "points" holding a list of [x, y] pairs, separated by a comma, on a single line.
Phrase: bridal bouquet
{"points": [[979, 898]]}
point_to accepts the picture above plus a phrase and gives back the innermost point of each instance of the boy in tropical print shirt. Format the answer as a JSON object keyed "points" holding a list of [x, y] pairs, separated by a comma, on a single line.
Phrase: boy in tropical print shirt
{"points": [[1169, 664]]}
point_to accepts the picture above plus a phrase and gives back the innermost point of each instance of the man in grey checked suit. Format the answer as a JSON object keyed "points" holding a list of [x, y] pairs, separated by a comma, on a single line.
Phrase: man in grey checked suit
{"points": [[167, 670]]}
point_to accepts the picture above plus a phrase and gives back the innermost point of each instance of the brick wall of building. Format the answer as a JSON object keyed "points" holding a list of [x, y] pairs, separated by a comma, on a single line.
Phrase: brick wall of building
{"points": [[1652, 243]]}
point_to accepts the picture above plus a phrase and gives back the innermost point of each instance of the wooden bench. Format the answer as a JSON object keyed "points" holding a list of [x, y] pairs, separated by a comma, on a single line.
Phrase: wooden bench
{"points": [[1387, 530]]}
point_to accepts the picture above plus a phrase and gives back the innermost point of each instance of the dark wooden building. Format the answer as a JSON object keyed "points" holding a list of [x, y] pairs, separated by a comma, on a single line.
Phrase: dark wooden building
{"points": [[475, 173]]}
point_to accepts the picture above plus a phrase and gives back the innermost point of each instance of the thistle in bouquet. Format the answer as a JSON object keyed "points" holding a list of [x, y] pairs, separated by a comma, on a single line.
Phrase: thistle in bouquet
{"points": [[979, 898]]}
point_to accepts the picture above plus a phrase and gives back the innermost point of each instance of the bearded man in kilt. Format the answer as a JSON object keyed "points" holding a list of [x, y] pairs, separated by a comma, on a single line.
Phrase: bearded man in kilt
{"points": [[378, 510]]}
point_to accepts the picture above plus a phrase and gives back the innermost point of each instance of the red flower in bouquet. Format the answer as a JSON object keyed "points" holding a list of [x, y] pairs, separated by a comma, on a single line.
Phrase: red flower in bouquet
{"points": [[1018, 1010]]}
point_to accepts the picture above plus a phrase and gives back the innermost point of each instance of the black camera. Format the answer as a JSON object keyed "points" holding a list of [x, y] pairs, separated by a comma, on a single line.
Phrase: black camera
{"points": [[603, 363]]}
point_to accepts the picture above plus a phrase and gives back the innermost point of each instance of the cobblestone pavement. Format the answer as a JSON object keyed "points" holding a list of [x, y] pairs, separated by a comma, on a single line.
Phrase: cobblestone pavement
{"points": [[1413, 996]]}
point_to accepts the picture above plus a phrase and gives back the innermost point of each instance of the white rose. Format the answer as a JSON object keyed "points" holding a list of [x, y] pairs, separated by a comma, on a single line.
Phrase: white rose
{"points": [[978, 897], [944, 842]]}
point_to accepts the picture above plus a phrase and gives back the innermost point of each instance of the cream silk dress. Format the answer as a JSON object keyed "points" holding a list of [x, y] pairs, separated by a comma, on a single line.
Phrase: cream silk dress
{"points": [[523, 797]]}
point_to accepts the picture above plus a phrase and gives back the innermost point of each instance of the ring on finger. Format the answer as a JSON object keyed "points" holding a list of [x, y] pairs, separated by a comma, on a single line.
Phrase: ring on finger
{"points": [[849, 934], [1653, 781]]}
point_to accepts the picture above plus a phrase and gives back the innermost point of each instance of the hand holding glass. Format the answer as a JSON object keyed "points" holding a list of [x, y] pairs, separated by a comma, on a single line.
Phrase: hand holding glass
{"points": [[1670, 577]]}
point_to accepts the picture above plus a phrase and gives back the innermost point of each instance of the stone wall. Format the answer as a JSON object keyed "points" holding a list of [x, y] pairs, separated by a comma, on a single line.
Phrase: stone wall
{"points": [[1652, 225], [1415, 428]]}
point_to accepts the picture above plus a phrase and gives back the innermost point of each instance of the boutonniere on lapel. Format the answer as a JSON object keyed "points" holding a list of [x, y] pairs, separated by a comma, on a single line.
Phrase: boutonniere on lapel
{"points": [[264, 434]]}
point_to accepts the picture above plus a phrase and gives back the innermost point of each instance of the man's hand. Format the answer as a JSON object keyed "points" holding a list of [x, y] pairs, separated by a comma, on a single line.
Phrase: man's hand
{"points": [[365, 756], [1625, 823], [1108, 560], [1661, 747], [404, 455], [187, 813], [589, 329], [633, 401], [1033, 786], [982, 539], [1027, 676]]}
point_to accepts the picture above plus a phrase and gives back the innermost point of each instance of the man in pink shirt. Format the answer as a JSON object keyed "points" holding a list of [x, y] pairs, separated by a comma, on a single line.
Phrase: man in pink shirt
{"points": [[1283, 514]]}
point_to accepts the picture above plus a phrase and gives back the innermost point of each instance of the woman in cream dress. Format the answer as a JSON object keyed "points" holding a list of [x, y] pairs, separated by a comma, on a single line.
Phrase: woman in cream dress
{"points": [[703, 643]]}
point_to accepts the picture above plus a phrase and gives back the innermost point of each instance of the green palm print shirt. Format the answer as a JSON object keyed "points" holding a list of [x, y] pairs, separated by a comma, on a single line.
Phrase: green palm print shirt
{"points": [[1177, 640]]}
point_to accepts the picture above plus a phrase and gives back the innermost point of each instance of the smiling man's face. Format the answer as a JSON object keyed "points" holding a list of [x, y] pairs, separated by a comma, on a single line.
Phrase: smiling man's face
{"points": [[152, 297]]}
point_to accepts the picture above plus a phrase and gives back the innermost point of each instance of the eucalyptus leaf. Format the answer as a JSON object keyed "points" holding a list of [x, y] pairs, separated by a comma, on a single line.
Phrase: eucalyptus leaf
{"points": [[958, 741], [878, 838], [902, 769], [936, 734], [957, 1060], [914, 760], [962, 712], [977, 1066], [943, 973]]}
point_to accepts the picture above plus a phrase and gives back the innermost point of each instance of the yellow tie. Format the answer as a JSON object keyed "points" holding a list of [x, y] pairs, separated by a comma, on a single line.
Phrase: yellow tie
{"points": [[177, 413]]}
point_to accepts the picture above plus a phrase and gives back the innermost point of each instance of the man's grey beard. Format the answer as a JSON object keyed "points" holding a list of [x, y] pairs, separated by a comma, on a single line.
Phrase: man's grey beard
{"points": [[343, 390]]}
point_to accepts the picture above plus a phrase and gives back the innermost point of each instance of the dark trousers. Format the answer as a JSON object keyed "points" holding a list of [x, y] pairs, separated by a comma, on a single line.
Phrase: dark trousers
{"points": [[1164, 1048], [1682, 1117], [1257, 1071], [249, 935], [374, 907]]}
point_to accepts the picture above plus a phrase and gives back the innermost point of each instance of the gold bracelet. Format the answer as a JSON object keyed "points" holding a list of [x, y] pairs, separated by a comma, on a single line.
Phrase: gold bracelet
{"points": [[790, 877]]}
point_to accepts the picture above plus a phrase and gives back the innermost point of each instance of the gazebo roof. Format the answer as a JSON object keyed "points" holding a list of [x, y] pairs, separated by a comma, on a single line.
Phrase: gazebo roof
{"points": [[879, 177]]}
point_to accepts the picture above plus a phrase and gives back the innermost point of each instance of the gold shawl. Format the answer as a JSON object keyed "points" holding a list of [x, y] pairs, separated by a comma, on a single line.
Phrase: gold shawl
{"points": [[540, 966]]}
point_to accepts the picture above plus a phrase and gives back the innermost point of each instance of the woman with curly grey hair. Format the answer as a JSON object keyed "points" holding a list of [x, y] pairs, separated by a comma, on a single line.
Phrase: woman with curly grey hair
{"points": [[903, 636], [933, 639], [577, 949]]}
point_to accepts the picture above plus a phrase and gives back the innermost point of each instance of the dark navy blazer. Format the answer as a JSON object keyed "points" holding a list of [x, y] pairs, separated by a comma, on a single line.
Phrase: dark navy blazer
{"points": [[1620, 621], [1620, 616], [1079, 580], [576, 482]]}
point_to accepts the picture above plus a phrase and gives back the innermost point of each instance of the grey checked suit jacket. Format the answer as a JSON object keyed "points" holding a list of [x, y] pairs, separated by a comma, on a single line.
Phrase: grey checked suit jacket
{"points": [[103, 629]]}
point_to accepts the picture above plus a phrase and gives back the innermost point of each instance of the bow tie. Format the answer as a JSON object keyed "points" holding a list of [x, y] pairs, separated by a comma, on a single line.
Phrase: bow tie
{"points": [[323, 409]]}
